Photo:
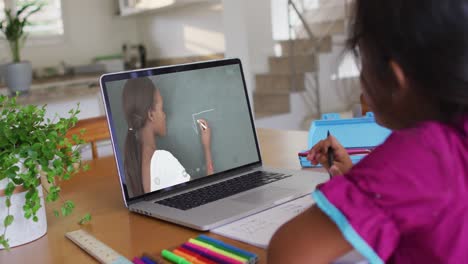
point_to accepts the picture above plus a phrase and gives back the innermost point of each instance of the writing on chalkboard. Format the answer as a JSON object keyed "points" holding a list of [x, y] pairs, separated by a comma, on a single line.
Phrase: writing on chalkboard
{"points": [[195, 118]]}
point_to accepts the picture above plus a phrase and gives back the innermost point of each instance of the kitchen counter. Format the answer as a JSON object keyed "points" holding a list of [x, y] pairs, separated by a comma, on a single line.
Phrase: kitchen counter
{"points": [[58, 89], [59, 95], [38, 83]]}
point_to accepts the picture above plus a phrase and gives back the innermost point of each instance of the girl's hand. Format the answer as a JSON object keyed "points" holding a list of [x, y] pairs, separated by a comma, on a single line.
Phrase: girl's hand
{"points": [[205, 134], [341, 163]]}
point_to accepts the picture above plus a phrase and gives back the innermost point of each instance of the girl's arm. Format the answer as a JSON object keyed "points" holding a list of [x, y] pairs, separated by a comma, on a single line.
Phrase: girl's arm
{"points": [[311, 237], [209, 162], [205, 132], [146, 178]]}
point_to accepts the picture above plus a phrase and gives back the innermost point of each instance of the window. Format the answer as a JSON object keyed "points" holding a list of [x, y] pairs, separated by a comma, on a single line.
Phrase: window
{"points": [[2, 7], [45, 23]]}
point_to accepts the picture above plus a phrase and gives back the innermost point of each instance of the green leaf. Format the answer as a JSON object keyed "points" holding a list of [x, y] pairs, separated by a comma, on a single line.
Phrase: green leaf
{"points": [[8, 220], [12, 172], [27, 214], [17, 181], [56, 213], [30, 194], [57, 163], [85, 219], [8, 202], [9, 189], [53, 135], [4, 242], [53, 194], [66, 176], [32, 154], [69, 204], [65, 211], [67, 208], [37, 146]]}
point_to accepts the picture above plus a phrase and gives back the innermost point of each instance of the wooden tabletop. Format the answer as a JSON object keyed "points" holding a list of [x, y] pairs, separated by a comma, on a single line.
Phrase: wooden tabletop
{"points": [[98, 192]]}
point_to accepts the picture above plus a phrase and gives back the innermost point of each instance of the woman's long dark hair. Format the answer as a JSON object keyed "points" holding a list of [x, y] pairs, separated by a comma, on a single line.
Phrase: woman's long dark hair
{"points": [[137, 100], [427, 38]]}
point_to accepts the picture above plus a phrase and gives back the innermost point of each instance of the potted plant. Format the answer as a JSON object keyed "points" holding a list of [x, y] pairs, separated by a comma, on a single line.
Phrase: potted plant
{"points": [[30, 146], [18, 73]]}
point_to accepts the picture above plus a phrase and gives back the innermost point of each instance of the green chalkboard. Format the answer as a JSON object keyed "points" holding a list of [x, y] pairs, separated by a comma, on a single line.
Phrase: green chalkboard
{"points": [[215, 94]]}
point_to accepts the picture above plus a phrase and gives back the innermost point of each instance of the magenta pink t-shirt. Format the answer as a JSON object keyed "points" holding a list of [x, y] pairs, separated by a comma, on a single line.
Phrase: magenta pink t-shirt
{"points": [[407, 202]]}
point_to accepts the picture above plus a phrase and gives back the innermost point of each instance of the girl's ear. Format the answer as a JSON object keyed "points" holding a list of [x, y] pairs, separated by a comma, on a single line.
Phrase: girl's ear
{"points": [[150, 115], [400, 76]]}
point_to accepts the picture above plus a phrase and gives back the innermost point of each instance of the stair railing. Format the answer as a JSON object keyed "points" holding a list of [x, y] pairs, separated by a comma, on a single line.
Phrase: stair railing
{"points": [[312, 84]]}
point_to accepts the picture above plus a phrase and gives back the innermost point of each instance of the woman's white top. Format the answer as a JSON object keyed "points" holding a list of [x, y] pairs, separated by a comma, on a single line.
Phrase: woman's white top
{"points": [[166, 171]]}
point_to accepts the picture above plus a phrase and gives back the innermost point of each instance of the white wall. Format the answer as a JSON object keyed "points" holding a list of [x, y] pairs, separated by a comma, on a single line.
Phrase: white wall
{"points": [[280, 25], [192, 30], [340, 86], [237, 39], [248, 33], [92, 28], [260, 33]]}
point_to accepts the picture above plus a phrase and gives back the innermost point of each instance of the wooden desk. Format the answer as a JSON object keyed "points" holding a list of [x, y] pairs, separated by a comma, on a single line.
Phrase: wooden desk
{"points": [[98, 191]]}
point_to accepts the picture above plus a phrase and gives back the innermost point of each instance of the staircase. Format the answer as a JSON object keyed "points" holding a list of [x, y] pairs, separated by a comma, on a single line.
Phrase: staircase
{"points": [[286, 76], [293, 71]]}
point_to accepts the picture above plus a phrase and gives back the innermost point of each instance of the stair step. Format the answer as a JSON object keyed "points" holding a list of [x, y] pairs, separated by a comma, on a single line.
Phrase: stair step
{"points": [[323, 3], [305, 46], [302, 64], [274, 104], [325, 14], [278, 83], [324, 29]]}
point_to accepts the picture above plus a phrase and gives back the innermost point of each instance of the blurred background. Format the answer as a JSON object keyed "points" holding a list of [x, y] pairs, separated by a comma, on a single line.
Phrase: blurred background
{"points": [[292, 51]]}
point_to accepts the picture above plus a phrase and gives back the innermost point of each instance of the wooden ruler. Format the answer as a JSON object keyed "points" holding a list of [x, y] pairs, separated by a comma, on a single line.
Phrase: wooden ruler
{"points": [[96, 248]]}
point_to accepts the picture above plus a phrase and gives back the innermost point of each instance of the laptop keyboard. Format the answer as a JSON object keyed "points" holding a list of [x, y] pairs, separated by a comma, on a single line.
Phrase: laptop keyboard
{"points": [[221, 190]]}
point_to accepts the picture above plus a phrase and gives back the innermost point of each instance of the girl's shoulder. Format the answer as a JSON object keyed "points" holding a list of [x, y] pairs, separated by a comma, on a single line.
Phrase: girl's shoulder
{"points": [[433, 136], [163, 155], [415, 162], [166, 170]]}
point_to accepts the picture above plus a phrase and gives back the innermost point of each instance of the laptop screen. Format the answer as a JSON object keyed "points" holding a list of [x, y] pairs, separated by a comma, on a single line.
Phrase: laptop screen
{"points": [[174, 125]]}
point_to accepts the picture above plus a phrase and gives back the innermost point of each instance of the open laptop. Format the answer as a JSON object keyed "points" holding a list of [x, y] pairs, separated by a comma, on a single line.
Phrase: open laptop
{"points": [[174, 174]]}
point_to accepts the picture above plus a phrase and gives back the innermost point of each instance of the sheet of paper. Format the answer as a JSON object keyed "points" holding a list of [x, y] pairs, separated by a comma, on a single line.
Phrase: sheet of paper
{"points": [[258, 229]]}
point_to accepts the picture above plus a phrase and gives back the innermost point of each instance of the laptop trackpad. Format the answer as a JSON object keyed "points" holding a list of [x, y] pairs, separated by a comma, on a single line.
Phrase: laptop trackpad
{"points": [[264, 195]]}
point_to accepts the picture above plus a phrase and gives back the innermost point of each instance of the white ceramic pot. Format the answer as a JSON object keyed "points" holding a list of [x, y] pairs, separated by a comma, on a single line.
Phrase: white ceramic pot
{"points": [[22, 230], [19, 76]]}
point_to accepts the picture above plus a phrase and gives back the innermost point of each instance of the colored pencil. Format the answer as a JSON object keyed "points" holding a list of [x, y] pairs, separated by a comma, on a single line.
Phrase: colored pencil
{"points": [[219, 251], [230, 248], [218, 258]]}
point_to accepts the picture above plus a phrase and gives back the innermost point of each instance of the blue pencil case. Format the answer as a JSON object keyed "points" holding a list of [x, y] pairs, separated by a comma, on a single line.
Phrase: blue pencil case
{"points": [[361, 132]]}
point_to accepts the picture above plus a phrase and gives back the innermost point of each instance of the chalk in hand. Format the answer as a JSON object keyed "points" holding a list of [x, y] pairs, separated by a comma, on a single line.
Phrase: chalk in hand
{"points": [[201, 123]]}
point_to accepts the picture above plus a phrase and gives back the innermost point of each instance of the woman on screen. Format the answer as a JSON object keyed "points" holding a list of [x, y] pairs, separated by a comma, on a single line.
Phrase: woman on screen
{"points": [[147, 168]]}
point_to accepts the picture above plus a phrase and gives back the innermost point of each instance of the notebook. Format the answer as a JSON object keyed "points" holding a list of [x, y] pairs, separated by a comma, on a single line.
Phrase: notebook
{"points": [[258, 229]]}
